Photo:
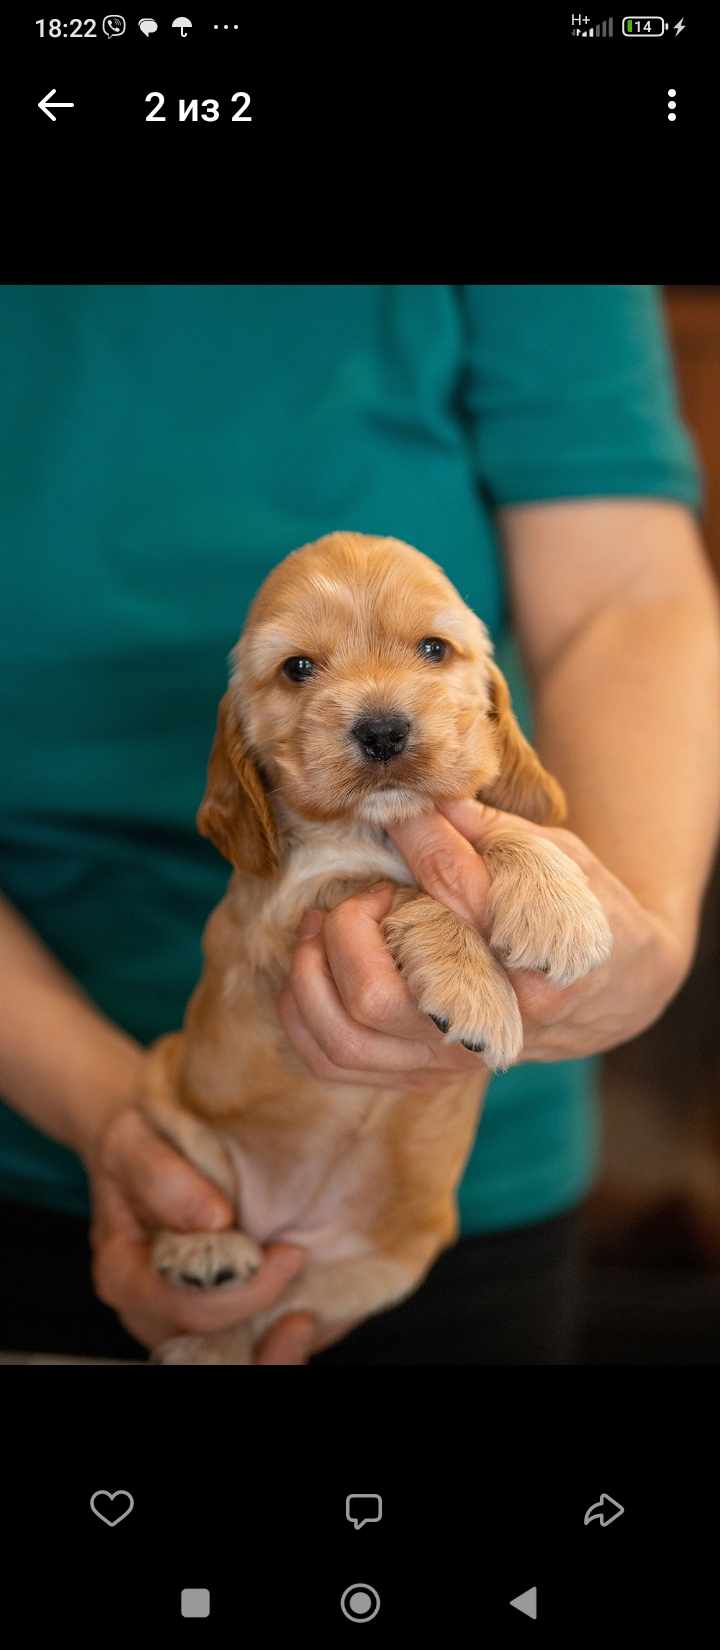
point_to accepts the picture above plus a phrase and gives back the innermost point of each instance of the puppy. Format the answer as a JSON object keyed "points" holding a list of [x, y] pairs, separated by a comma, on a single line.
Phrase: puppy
{"points": [[363, 690]]}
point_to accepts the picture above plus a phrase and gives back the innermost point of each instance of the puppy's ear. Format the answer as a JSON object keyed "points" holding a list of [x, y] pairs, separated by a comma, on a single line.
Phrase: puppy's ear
{"points": [[235, 812], [522, 785]]}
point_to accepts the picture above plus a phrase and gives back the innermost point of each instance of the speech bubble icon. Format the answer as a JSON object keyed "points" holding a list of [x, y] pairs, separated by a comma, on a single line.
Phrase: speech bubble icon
{"points": [[363, 1509], [113, 25], [147, 25]]}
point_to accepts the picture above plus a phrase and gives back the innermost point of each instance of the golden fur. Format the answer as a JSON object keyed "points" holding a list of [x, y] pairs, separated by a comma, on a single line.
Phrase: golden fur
{"points": [[363, 1177]]}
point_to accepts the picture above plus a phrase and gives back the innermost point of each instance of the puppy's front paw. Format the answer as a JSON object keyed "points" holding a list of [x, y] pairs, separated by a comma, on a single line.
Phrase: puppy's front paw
{"points": [[543, 914], [205, 1260], [455, 980]]}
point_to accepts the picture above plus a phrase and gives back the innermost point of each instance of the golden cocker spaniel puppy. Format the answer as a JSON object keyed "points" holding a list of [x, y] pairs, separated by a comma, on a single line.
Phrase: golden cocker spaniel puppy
{"points": [[363, 690]]}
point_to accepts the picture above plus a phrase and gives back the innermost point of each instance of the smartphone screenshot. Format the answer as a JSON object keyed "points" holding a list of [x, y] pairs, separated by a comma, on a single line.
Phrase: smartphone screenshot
{"points": [[360, 641]]}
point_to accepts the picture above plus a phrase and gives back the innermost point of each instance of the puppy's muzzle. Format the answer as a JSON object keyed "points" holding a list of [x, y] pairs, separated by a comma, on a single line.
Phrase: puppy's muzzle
{"points": [[381, 737]]}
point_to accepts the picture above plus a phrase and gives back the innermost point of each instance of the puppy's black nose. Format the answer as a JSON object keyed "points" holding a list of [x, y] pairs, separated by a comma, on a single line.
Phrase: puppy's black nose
{"points": [[381, 737]]}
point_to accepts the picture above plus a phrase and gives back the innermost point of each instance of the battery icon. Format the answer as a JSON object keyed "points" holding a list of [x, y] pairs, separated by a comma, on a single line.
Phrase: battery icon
{"points": [[644, 28]]}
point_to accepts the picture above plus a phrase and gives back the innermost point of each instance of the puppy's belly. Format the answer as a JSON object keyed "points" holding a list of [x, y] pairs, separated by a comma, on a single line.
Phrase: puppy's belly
{"points": [[327, 1203]]}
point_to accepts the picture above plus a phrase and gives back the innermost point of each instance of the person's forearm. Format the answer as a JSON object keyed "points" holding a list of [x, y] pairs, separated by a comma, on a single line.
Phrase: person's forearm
{"points": [[63, 1065], [627, 717]]}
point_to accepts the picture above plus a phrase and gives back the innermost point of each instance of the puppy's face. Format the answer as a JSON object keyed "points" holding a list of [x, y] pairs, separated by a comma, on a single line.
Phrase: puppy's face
{"points": [[362, 681], [363, 688]]}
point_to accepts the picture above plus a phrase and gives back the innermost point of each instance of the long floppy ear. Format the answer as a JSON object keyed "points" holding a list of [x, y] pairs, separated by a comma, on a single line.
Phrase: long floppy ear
{"points": [[522, 786], [235, 812]]}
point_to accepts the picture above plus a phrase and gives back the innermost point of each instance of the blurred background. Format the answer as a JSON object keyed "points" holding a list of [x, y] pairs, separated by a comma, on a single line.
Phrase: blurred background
{"points": [[653, 1221]]}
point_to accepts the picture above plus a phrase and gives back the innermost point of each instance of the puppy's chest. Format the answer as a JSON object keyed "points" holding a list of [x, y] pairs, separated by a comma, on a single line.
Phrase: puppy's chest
{"points": [[322, 870]]}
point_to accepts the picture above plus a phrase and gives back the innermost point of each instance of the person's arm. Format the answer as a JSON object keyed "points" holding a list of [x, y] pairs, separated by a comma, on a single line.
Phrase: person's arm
{"points": [[616, 613], [73, 1074], [618, 617], [63, 1065]]}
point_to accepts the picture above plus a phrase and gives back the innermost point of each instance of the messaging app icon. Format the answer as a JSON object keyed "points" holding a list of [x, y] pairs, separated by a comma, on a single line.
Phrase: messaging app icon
{"points": [[113, 26], [363, 1509]]}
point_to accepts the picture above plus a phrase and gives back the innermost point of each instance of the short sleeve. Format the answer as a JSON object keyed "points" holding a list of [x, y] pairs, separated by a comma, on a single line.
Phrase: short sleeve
{"points": [[569, 392]]}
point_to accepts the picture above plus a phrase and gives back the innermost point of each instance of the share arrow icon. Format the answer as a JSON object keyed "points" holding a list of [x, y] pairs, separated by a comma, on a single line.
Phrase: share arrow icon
{"points": [[605, 1511]]}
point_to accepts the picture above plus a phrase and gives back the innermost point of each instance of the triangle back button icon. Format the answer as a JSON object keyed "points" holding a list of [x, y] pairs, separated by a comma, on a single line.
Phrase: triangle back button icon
{"points": [[527, 1602]]}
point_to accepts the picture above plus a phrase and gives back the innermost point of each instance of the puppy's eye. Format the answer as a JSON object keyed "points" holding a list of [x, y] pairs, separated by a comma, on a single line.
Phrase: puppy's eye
{"points": [[299, 669], [431, 647]]}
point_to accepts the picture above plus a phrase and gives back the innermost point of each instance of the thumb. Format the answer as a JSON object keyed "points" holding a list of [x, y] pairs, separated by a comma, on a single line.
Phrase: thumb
{"points": [[476, 820], [289, 1341], [164, 1189], [311, 924], [444, 864]]}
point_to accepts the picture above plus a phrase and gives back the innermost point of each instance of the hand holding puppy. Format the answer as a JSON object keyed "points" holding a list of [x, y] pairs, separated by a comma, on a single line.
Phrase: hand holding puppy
{"points": [[140, 1182], [350, 1015]]}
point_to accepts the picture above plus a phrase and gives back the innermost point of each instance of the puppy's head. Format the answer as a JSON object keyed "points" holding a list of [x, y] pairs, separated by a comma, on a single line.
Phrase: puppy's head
{"points": [[362, 687]]}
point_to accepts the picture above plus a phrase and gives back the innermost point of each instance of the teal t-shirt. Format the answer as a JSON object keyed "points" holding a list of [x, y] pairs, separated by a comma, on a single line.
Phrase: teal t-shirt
{"points": [[162, 448]]}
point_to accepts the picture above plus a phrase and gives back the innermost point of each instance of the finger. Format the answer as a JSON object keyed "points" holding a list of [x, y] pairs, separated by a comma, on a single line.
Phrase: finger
{"points": [[125, 1278], [375, 995], [444, 864], [163, 1188], [350, 1045], [445, 1058], [289, 1341], [316, 1060], [543, 1004], [477, 822], [369, 986], [311, 924]]}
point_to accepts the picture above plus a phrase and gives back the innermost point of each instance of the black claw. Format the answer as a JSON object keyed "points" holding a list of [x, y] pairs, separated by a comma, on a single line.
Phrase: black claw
{"points": [[544, 969], [195, 1283], [439, 1020], [475, 1048], [227, 1274]]}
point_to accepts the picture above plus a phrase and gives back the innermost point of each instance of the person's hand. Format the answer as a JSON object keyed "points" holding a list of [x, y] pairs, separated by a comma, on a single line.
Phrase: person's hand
{"points": [[614, 1002], [350, 1016], [347, 1010], [140, 1185]]}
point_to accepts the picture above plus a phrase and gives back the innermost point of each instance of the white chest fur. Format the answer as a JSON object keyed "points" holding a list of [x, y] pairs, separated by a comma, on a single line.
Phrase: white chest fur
{"points": [[333, 853], [315, 854]]}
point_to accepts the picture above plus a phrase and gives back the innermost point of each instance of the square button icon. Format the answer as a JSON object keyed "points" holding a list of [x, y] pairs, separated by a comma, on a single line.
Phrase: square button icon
{"points": [[195, 1601]]}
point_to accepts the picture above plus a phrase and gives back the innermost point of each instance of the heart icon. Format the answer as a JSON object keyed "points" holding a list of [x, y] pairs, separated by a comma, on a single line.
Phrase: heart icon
{"points": [[112, 1515]]}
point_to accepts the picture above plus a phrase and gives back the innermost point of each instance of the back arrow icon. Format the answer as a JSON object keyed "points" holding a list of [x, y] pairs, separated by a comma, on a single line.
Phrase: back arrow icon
{"points": [[605, 1511], [47, 107]]}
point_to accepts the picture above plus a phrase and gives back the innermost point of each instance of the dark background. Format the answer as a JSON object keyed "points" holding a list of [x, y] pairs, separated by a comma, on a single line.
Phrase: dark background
{"points": [[381, 148]]}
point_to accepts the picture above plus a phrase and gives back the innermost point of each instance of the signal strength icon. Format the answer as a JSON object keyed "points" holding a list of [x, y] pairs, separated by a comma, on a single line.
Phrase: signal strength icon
{"points": [[597, 31]]}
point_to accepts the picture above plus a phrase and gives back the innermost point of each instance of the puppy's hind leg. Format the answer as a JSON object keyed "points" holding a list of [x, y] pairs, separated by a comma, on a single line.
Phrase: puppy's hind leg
{"points": [[343, 1293], [229, 1346], [336, 1293], [195, 1260]]}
